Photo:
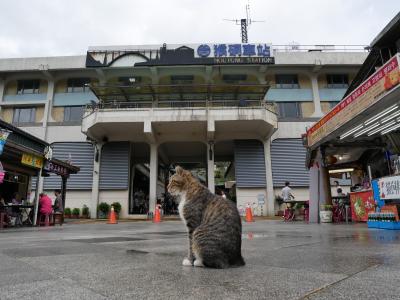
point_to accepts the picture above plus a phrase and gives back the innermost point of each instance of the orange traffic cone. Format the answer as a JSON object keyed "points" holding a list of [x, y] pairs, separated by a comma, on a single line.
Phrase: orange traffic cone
{"points": [[112, 218], [249, 214], [157, 215]]}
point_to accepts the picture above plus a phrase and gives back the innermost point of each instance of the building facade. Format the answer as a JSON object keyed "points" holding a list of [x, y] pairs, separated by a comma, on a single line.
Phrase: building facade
{"points": [[125, 115]]}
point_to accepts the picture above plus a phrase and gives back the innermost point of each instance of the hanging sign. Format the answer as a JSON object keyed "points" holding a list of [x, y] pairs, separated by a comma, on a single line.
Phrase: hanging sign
{"points": [[3, 139], [32, 160], [389, 187]]}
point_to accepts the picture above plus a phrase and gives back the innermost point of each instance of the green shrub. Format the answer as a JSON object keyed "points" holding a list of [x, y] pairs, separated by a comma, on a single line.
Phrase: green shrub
{"points": [[76, 211], [117, 207], [67, 211], [326, 207], [104, 208], [85, 210]]}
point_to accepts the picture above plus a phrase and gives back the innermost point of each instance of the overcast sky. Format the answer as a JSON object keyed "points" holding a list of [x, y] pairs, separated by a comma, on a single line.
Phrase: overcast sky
{"points": [[68, 27]]}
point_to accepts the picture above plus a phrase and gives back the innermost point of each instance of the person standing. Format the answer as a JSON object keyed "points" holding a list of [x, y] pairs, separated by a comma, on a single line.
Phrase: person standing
{"points": [[58, 205]]}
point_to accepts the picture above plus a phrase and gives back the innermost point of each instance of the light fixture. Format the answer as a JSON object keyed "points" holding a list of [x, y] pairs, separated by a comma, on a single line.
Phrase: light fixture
{"points": [[340, 157], [380, 128], [365, 130], [381, 114], [390, 129], [351, 131], [341, 171], [389, 117]]}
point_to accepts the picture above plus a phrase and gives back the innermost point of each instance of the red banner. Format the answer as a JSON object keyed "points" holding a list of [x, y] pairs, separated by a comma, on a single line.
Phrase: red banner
{"points": [[360, 99], [361, 203]]}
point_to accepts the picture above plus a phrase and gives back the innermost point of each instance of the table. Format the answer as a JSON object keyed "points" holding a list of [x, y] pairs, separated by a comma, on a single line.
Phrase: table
{"points": [[21, 209]]}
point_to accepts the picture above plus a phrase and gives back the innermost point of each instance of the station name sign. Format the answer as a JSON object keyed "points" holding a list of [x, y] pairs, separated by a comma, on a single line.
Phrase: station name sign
{"points": [[191, 54]]}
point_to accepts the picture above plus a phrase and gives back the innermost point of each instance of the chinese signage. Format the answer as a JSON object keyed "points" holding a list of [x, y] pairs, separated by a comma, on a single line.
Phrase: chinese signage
{"points": [[32, 160], [233, 50], [192, 54], [3, 139], [55, 168], [389, 187], [362, 203], [368, 93]]}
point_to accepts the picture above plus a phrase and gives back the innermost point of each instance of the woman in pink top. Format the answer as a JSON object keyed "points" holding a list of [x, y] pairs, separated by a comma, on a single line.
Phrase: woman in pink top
{"points": [[45, 204]]}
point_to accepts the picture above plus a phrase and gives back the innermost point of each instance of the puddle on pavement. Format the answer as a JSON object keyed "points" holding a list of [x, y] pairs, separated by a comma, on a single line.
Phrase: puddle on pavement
{"points": [[106, 240], [255, 235]]}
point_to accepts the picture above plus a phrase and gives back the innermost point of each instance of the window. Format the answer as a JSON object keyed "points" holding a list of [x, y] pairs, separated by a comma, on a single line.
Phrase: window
{"points": [[337, 81], [182, 79], [78, 85], [289, 109], [234, 78], [287, 81], [28, 87], [73, 113], [24, 115]]}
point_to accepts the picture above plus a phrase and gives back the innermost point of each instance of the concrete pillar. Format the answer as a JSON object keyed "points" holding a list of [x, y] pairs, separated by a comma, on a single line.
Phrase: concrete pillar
{"points": [[316, 99], [269, 181], [210, 168], [314, 194], [320, 192], [153, 176], [96, 181], [48, 106]]}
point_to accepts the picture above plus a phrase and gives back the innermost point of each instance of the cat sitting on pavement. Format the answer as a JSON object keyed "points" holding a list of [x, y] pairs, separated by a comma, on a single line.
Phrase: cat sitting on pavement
{"points": [[213, 223]]}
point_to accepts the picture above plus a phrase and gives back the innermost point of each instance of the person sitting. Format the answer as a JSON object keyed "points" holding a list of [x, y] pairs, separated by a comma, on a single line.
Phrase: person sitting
{"points": [[16, 199], [45, 204], [58, 205]]}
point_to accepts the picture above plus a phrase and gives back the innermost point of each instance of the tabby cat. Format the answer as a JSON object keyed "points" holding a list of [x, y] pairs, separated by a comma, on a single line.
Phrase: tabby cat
{"points": [[213, 223]]}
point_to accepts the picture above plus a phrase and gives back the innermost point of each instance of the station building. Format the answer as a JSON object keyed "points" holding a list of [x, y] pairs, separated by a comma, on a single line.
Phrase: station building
{"points": [[127, 114]]}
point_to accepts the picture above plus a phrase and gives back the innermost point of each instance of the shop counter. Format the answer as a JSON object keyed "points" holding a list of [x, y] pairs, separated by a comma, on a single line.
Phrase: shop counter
{"points": [[362, 203]]}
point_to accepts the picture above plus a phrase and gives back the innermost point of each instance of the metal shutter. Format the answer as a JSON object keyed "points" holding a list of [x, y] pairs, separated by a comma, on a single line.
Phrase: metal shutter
{"points": [[249, 163], [114, 166], [288, 162], [81, 155]]}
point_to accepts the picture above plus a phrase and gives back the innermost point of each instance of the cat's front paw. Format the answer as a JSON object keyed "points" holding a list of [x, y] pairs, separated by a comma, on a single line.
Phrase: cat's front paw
{"points": [[198, 263], [186, 262]]}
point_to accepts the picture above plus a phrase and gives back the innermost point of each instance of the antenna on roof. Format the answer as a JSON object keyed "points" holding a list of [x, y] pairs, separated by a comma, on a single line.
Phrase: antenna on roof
{"points": [[244, 23]]}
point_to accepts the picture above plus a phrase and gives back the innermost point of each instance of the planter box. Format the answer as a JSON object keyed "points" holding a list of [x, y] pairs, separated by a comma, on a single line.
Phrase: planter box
{"points": [[325, 216]]}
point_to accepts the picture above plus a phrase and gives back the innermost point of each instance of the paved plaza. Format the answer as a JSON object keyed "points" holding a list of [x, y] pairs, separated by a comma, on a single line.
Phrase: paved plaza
{"points": [[142, 260]]}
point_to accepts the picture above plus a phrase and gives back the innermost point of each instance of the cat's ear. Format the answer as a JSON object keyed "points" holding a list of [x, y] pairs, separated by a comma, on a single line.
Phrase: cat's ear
{"points": [[179, 170]]}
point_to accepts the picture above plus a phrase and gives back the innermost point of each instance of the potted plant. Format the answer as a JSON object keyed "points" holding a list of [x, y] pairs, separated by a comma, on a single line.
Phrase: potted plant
{"points": [[67, 213], [75, 213], [117, 207], [104, 209], [325, 214], [85, 212]]}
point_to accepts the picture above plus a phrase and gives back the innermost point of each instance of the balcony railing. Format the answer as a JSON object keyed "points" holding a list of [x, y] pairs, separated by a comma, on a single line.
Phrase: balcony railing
{"points": [[194, 104]]}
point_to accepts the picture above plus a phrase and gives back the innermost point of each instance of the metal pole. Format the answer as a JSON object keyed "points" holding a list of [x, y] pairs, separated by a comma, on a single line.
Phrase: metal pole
{"points": [[63, 190], [36, 201]]}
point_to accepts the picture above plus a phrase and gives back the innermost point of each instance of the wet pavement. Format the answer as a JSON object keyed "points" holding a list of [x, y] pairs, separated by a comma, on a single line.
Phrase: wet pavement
{"points": [[142, 260]]}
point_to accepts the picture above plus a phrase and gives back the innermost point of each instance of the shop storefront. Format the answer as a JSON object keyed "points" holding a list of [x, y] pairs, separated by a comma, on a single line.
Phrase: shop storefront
{"points": [[23, 159], [360, 139]]}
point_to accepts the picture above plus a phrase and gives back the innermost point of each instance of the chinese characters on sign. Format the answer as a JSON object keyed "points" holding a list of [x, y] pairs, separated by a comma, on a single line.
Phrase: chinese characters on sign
{"points": [[362, 203], [32, 160], [367, 94], [234, 50], [389, 187], [54, 168]]}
